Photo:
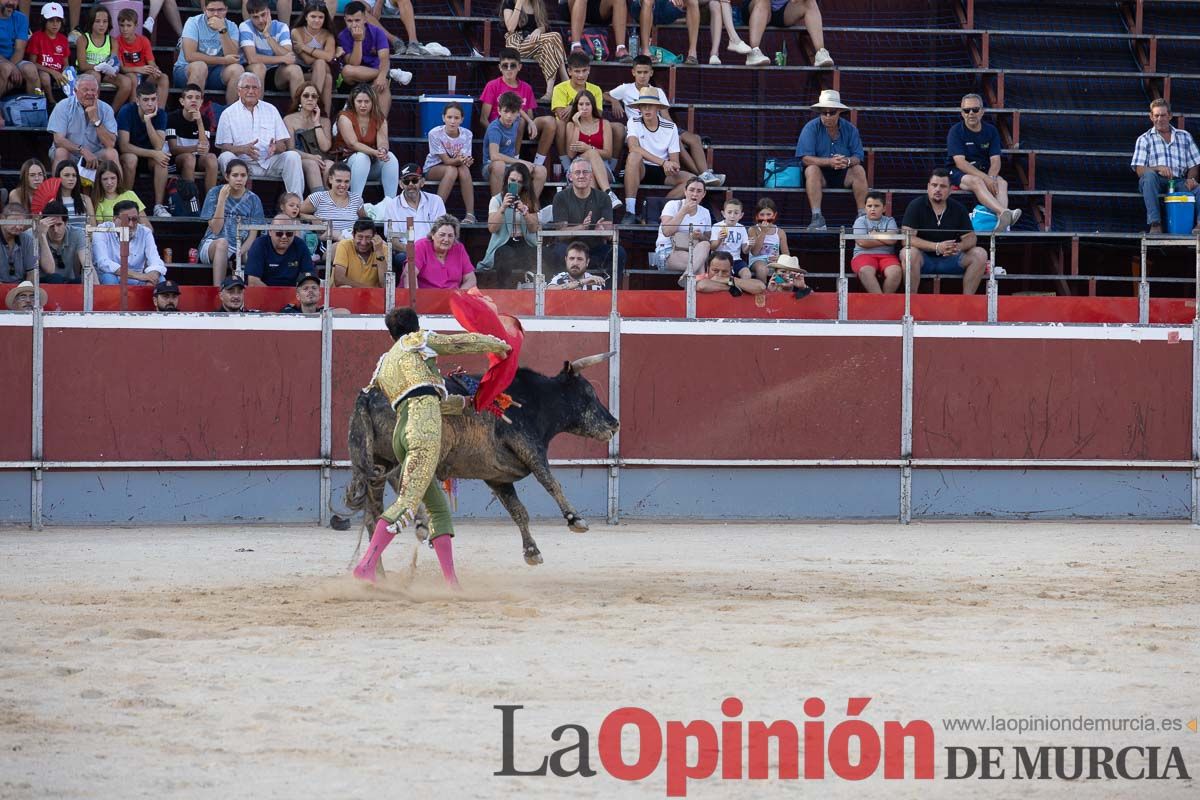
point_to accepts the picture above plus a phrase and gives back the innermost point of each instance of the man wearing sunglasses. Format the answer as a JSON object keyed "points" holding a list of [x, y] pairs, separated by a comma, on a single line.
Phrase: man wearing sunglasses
{"points": [[832, 153], [279, 258], [974, 149], [411, 203]]}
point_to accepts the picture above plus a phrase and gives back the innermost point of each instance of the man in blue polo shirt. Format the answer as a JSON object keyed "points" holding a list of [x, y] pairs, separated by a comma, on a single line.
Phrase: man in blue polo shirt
{"points": [[832, 153], [278, 259], [973, 147]]}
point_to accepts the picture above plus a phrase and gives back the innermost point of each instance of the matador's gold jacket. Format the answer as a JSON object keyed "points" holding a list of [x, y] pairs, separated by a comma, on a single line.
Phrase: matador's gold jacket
{"points": [[412, 361]]}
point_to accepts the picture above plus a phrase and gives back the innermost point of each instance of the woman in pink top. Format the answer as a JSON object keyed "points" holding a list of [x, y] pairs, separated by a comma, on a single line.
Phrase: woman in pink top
{"points": [[440, 258]]}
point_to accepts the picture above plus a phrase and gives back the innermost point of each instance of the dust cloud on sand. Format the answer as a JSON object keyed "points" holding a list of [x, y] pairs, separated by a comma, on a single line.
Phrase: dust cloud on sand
{"points": [[243, 662]]}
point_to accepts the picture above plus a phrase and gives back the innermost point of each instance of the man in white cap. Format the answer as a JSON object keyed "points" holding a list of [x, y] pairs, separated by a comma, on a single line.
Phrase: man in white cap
{"points": [[832, 153], [653, 144], [20, 298]]}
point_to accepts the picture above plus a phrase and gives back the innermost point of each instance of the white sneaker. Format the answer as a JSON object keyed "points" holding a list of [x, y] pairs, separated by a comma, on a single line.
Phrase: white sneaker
{"points": [[756, 58], [709, 178], [616, 201], [822, 58], [716, 62], [148, 24], [1016, 212], [161, 211], [400, 76], [739, 47]]}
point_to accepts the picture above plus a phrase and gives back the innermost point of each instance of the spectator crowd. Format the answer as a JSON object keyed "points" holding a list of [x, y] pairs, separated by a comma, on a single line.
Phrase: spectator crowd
{"points": [[199, 159]]}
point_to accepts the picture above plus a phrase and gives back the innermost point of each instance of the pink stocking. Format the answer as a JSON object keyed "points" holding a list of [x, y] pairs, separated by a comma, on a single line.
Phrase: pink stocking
{"points": [[444, 547], [365, 571]]}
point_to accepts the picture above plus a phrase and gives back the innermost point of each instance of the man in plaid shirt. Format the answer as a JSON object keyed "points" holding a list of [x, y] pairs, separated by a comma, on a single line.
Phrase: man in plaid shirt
{"points": [[1163, 153]]}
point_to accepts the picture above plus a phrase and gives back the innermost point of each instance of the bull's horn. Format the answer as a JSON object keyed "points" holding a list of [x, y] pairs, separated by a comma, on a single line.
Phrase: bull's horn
{"points": [[580, 364]]}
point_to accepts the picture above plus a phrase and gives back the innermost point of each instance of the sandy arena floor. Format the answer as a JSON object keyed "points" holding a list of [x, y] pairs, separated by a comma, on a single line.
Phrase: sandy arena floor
{"points": [[230, 662]]}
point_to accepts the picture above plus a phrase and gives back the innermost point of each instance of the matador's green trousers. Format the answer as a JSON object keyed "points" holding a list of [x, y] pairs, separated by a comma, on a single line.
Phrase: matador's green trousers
{"points": [[417, 442]]}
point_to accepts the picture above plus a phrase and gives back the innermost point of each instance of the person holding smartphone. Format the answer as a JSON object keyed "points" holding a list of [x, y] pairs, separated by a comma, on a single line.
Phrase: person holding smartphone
{"points": [[513, 222], [943, 240]]}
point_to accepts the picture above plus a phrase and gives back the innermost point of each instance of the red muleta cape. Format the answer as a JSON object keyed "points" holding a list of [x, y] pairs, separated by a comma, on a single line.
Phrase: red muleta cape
{"points": [[477, 313]]}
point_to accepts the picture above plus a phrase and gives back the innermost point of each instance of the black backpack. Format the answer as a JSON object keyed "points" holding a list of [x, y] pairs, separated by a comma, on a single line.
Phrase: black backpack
{"points": [[183, 198]]}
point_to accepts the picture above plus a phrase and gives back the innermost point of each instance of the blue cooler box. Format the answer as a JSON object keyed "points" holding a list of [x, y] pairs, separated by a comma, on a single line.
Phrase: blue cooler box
{"points": [[1181, 213], [431, 105]]}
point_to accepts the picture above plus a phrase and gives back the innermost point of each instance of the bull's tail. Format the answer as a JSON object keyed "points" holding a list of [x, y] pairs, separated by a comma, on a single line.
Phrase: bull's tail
{"points": [[363, 470]]}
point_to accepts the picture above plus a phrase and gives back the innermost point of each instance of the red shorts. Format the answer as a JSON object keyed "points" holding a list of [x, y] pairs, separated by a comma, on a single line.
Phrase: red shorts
{"points": [[879, 262]]}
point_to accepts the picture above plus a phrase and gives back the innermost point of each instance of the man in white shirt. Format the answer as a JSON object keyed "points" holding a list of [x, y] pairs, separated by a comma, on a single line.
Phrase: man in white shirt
{"points": [[653, 154], [412, 203], [145, 264], [253, 131]]}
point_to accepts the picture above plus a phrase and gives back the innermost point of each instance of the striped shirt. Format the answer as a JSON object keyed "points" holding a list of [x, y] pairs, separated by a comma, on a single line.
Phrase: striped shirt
{"points": [[328, 211], [1179, 156]]}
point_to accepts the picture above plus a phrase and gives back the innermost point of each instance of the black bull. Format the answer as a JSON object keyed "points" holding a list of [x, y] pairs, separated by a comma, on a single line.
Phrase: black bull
{"points": [[483, 447]]}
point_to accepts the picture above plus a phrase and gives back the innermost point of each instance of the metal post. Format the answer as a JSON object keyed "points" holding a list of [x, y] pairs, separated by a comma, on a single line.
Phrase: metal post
{"points": [[237, 250], [1143, 291], [691, 277], [89, 289], [326, 410], [123, 237], [389, 291], [843, 286], [1196, 419], [616, 263], [906, 422], [410, 269], [328, 270], [539, 284], [992, 288], [36, 452], [614, 407], [906, 394], [908, 287]]}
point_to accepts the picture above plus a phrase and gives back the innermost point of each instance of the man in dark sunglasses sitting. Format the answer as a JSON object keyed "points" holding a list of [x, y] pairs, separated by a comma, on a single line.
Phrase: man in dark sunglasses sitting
{"points": [[279, 258], [974, 150]]}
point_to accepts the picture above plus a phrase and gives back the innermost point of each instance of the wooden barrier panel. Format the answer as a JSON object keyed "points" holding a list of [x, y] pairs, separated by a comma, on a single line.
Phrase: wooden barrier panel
{"points": [[760, 397], [16, 365], [126, 394], [1052, 399]]}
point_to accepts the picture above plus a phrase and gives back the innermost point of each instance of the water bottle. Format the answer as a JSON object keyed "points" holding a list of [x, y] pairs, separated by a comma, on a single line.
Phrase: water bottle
{"points": [[634, 42], [1170, 186]]}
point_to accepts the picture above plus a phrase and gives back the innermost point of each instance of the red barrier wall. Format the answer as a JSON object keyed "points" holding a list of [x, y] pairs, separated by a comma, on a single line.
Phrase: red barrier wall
{"points": [[355, 354], [128, 394], [16, 365], [1051, 399], [760, 397], [195, 393]]}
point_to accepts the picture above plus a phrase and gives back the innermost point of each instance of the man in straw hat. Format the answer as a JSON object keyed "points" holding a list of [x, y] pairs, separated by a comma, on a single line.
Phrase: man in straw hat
{"points": [[832, 153], [653, 144], [20, 297]]}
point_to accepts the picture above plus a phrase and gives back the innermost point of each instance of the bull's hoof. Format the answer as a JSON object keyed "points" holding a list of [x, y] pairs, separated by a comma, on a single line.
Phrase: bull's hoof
{"points": [[339, 523], [578, 525], [533, 557]]}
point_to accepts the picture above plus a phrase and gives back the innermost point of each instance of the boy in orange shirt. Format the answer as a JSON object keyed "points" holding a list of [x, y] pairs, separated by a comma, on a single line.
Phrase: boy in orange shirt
{"points": [[137, 57]]}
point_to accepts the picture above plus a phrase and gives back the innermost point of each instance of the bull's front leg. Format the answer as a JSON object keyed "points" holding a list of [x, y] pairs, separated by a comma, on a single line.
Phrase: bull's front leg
{"points": [[506, 493], [541, 470]]}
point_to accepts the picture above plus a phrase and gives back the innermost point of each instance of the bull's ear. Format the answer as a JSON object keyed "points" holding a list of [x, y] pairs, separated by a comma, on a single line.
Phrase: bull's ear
{"points": [[566, 370]]}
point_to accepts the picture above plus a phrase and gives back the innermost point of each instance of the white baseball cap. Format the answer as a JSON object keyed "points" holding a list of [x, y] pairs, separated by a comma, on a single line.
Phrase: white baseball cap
{"points": [[52, 11]]}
